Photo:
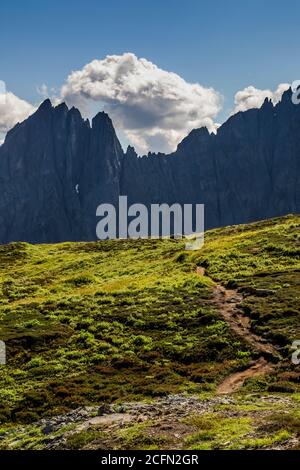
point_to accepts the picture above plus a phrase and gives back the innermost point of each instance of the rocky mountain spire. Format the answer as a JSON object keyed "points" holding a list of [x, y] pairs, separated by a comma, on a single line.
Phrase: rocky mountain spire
{"points": [[56, 168]]}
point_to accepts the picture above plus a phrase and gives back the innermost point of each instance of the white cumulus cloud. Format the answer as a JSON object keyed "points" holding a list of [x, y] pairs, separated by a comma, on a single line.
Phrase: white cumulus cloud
{"points": [[153, 107], [12, 109], [252, 97]]}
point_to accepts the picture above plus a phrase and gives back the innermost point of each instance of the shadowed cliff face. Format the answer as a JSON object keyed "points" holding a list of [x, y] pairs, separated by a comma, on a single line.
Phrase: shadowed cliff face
{"points": [[249, 171], [55, 169]]}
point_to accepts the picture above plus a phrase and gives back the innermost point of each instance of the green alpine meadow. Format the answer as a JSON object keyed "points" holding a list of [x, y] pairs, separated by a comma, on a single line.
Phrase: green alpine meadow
{"points": [[140, 344]]}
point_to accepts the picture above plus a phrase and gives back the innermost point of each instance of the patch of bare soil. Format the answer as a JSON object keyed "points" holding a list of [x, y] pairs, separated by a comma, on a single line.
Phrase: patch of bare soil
{"points": [[228, 302], [234, 381], [165, 422]]}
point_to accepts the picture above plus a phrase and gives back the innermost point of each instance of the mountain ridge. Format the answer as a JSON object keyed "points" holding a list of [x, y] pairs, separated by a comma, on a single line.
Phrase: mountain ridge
{"points": [[56, 168]]}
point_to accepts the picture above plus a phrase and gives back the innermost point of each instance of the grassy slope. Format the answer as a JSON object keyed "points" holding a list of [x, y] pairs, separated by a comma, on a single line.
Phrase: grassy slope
{"points": [[87, 322], [262, 261]]}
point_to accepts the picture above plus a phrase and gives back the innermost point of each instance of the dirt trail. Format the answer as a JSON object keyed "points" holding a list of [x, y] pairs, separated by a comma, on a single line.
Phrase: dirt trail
{"points": [[234, 381], [229, 302]]}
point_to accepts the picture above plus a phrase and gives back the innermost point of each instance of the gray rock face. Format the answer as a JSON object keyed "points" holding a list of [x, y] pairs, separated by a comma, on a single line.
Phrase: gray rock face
{"points": [[249, 171], [55, 169]]}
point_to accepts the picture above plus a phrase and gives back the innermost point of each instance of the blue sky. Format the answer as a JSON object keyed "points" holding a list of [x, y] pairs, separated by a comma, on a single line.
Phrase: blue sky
{"points": [[227, 45]]}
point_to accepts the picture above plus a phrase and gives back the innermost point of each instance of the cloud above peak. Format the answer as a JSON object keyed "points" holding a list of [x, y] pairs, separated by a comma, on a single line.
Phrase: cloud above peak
{"points": [[153, 107], [12, 109], [251, 97]]}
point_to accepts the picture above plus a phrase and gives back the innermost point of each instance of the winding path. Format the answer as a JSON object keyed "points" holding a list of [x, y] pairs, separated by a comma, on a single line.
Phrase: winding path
{"points": [[228, 302]]}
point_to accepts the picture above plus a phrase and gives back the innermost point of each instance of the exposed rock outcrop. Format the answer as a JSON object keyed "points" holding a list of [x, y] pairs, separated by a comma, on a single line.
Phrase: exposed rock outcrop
{"points": [[56, 168]]}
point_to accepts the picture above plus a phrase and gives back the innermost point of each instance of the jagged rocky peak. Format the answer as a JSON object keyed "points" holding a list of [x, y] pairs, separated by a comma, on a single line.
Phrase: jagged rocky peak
{"points": [[62, 109], [103, 128], [195, 137], [130, 152], [154, 154], [55, 169], [46, 104], [249, 170], [103, 136], [267, 103], [287, 96], [102, 119]]}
